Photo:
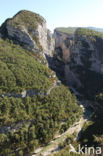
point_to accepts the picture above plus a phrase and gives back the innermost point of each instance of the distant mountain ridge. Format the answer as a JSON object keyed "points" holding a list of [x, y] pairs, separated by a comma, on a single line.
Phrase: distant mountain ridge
{"points": [[71, 30], [96, 29]]}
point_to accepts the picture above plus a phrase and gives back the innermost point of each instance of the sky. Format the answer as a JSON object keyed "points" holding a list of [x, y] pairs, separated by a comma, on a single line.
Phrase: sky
{"points": [[58, 13]]}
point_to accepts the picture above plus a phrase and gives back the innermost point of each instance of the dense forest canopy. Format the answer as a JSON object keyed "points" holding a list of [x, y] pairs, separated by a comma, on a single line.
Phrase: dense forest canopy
{"points": [[21, 70], [38, 119], [26, 123]]}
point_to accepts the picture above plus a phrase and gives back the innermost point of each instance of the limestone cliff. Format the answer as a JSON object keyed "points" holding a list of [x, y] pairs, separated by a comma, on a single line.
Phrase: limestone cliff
{"points": [[64, 42], [29, 30], [80, 56]]}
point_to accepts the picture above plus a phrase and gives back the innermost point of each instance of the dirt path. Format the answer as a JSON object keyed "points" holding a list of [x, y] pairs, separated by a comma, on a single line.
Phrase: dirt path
{"points": [[52, 147], [54, 85]]}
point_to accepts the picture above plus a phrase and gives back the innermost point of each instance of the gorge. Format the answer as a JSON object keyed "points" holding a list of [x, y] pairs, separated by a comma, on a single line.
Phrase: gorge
{"points": [[48, 83]]}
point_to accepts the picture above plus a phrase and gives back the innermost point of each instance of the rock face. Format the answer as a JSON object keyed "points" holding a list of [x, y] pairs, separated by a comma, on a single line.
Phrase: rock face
{"points": [[29, 30], [81, 59], [21, 37], [45, 38], [64, 45], [78, 60]]}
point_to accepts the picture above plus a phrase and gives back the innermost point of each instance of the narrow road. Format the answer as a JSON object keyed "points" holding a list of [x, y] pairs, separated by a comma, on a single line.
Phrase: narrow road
{"points": [[52, 147], [32, 92], [56, 83]]}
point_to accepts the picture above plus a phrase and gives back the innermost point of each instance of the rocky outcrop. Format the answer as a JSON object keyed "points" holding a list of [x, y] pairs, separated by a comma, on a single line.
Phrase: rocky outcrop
{"points": [[46, 39], [20, 37], [29, 30], [82, 59]]}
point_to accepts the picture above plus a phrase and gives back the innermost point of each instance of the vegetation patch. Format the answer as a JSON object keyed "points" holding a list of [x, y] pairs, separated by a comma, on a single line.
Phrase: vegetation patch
{"points": [[21, 70], [38, 119], [69, 30]]}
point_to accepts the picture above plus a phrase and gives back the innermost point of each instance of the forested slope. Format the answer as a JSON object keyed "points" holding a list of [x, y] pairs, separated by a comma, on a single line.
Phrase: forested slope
{"points": [[29, 122]]}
